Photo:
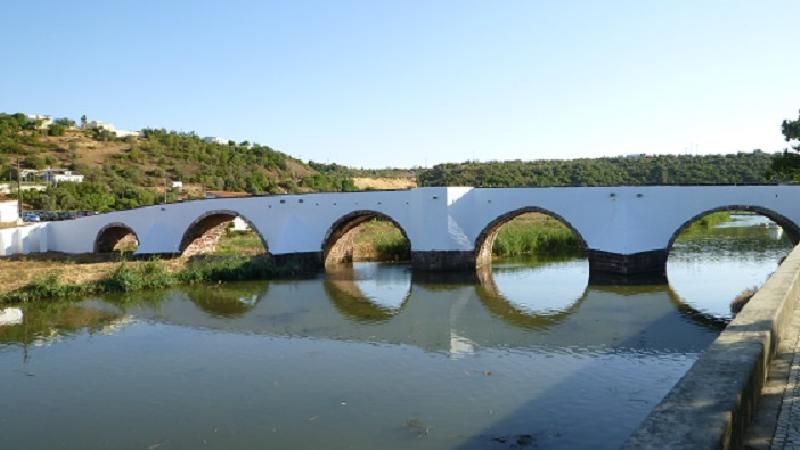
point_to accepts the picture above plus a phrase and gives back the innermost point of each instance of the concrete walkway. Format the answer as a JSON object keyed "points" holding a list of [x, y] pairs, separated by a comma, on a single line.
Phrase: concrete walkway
{"points": [[776, 425]]}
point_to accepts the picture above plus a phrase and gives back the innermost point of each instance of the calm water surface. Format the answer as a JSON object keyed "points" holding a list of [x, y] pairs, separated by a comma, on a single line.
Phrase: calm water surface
{"points": [[375, 357]]}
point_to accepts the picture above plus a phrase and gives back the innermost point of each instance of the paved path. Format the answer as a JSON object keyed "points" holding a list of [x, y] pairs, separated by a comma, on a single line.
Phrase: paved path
{"points": [[776, 425], [787, 430]]}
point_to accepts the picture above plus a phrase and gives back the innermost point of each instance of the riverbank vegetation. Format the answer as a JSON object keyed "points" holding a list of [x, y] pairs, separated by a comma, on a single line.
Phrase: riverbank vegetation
{"points": [[703, 224], [533, 234], [131, 276], [738, 303]]}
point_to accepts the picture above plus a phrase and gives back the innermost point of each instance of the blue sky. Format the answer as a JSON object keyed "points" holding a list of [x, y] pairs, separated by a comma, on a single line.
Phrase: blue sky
{"points": [[401, 83]]}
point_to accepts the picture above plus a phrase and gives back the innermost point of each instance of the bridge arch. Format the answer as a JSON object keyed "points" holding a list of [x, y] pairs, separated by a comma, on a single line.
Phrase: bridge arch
{"points": [[337, 246], [204, 233], [484, 243], [792, 229], [113, 236]]}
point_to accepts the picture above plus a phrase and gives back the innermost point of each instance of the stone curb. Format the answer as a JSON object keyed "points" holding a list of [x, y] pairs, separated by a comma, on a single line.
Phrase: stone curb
{"points": [[711, 406]]}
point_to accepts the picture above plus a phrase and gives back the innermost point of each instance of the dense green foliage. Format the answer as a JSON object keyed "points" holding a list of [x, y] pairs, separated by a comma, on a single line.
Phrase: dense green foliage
{"points": [[623, 170], [786, 166]]}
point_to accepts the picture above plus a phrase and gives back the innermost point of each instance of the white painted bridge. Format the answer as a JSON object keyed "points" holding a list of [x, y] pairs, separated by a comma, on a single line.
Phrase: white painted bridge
{"points": [[626, 230]]}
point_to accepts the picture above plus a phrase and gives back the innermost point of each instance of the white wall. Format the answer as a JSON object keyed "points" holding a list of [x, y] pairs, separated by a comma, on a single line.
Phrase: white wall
{"points": [[622, 220], [9, 211], [28, 239]]}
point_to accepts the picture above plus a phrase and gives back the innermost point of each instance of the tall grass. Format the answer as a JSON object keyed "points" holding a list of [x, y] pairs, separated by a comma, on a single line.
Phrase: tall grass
{"points": [[536, 234], [235, 243], [236, 268], [525, 241], [381, 240]]}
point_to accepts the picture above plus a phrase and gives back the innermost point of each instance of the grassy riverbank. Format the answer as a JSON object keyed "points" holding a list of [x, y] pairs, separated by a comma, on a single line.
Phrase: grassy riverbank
{"points": [[71, 279]]}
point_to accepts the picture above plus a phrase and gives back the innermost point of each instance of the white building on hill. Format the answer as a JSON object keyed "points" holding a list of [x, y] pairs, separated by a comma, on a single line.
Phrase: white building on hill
{"points": [[52, 175], [57, 176], [44, 121], [110, 127], [216, 140]]}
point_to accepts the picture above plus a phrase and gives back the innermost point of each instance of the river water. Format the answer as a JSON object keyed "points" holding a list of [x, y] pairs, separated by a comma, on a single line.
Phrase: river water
{"points": [[374, 357]]}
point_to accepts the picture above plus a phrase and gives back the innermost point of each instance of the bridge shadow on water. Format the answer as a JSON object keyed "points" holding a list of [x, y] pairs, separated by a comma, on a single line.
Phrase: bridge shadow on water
{"points": [[545, 419]]}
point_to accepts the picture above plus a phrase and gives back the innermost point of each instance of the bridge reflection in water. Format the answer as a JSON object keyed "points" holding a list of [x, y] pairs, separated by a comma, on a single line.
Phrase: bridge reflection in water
{"points": [[390, 304]]}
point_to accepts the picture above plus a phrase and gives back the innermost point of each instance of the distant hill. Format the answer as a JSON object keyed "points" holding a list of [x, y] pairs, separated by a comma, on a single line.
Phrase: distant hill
{"points": [[624, 170], [132, 171]]}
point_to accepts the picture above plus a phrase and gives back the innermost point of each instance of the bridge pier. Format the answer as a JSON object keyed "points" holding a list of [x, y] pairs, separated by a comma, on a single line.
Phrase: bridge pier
{"points": [[642, 267], [445, 261], [307, 262]]}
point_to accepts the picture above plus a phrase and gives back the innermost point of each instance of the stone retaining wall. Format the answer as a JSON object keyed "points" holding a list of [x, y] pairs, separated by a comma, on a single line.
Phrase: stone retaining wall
{"points": [[713, 403]]}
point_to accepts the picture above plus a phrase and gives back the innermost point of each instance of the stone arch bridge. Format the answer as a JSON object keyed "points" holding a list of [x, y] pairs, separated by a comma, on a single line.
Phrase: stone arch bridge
{"points": [[626, 230]]}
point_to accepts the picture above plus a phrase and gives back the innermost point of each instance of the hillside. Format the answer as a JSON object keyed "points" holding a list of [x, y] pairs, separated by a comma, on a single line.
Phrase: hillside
{"points": [[132, 171]]}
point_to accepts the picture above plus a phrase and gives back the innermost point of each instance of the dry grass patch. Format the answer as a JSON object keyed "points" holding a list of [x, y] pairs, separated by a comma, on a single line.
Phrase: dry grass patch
{"points": [[18, 272]]}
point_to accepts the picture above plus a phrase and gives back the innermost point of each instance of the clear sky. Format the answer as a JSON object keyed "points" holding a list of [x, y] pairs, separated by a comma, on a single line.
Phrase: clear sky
{"points": [[398, 83]]}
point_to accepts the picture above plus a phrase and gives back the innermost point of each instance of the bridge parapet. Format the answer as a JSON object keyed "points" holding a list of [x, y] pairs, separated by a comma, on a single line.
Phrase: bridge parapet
{"points": [[713, 403]]}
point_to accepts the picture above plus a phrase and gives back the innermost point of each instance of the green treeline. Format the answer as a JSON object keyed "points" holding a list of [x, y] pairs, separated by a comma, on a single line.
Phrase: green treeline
{"points": [[608, 171]]}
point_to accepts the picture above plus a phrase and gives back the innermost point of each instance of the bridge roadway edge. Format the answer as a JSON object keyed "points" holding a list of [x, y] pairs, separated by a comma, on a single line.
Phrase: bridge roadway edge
{"points": [[714, 402]]}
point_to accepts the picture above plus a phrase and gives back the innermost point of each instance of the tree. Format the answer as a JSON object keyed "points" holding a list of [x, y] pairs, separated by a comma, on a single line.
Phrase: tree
{"points": [[786, 166], [84, 121], [34, 162], [791, 132], [57, 129], [66, 121]]}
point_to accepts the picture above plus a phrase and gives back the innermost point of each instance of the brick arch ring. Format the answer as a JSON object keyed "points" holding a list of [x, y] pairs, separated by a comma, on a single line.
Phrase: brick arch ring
{"points": [[485, 240], [107, 228], [348, 222], [187, 238], [792, 229]]}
